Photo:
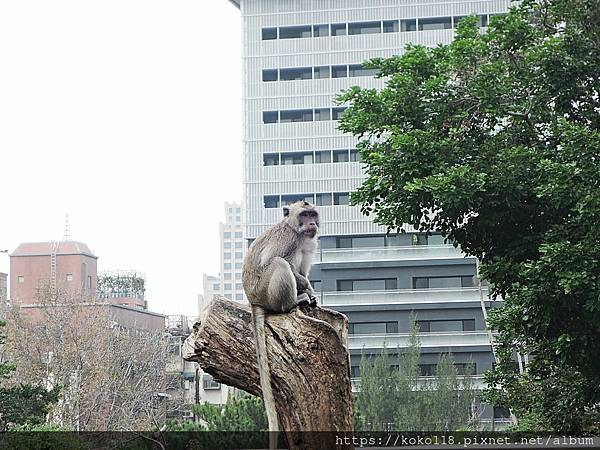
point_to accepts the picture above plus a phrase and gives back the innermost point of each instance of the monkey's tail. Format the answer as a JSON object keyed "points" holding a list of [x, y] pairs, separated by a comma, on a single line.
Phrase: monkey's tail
{"points": [[258, 318]]}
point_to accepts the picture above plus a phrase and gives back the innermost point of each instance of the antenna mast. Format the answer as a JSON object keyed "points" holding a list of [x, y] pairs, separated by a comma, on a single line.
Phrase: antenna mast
{"points": [[67, 236]]}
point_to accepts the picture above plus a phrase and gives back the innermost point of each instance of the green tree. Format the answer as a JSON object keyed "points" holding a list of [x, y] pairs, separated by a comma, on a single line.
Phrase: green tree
{"points": [[494, 141], [245, 413], [23, 404]]}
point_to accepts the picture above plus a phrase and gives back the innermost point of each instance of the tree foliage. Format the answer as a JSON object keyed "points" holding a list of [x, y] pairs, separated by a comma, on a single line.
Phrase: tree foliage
{"points": [[494, 141], [245, 413], [393, 394], [21, 404]]}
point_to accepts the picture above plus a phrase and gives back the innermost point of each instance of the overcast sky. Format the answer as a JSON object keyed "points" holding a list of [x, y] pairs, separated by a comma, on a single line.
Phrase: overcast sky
{"points": [[125, 114]]}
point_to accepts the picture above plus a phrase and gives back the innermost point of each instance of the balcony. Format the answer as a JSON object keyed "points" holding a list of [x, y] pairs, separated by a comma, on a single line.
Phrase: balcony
{"points": [[478, 382], [404, 297], [408, 253], [401, 340]]}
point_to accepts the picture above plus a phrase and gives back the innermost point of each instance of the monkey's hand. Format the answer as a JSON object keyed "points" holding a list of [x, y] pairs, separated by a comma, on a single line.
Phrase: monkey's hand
{"points": [[302, 284]]}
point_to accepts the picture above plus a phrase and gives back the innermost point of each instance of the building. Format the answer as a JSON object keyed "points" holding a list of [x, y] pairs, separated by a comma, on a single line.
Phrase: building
{"points": [[3, 293], [40, 270], [233, 245], [297, 56]]}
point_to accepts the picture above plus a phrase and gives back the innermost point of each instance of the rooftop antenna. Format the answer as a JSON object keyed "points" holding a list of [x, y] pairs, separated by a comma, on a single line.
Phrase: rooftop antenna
{"points": [[67, 236]]}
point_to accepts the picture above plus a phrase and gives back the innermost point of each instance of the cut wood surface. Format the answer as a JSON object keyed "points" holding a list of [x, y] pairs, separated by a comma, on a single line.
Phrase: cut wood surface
{"points": [[309, 364]]}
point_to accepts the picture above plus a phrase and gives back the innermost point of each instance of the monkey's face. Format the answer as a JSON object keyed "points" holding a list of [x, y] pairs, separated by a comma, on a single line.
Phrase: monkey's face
{"points": [[309, 222]]}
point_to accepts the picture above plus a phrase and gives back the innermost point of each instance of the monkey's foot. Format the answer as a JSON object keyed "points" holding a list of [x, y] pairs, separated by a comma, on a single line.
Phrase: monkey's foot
{"points": [[313, 301]]}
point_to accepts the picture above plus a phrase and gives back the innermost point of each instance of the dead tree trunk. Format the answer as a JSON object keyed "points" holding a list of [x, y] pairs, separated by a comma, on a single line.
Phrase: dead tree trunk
{"points": [[308, 359]]}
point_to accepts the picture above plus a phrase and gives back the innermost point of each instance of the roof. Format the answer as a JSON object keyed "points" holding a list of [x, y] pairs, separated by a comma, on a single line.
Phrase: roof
{"points": [[236, 2], [45, 249]]}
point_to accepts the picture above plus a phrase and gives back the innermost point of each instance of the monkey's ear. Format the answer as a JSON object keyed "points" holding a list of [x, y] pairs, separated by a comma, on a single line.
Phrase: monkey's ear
{"points": [[286, 211]]}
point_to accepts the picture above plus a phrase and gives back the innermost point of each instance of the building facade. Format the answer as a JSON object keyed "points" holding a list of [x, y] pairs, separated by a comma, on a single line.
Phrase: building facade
{"points": [[297, 56]]}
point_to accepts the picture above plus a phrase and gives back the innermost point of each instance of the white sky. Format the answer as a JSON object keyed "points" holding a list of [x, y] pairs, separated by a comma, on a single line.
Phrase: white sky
{"points": [[126, 114]]}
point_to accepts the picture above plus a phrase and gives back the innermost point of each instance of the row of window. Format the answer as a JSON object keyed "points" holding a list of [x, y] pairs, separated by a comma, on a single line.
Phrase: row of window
{"points": [[311, 157], [229, 286], [369, 27], [390, 284], [227, 266], [320, 199], [227, 234], [318, 72], [229, 275], [228, 245], [303, 115], [427, 370], [238, 255], [387, 241]]}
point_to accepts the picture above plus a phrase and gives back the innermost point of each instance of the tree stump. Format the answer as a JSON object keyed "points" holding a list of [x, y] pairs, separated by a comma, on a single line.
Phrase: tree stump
{"points": [[308, 358]]}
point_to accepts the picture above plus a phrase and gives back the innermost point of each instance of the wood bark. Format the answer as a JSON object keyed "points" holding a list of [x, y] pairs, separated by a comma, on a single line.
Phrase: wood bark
{"points": [[310, 370]]}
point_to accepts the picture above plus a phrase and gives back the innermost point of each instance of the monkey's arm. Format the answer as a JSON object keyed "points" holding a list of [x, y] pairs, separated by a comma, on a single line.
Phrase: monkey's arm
{"points": [[302, 283]]}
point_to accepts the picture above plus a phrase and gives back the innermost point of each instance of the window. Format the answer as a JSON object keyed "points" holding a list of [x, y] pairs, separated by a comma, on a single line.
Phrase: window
{"points": [[354, 155], [340, 156], [69, 277], [227, 276], [435, 23], [336, 113], [297, 73], [238, 245], [321, 30], [271, 201], [239, 297], [296, 158], [339, 71], [227, 255], [323, 156], [367, 285], [291, 198], [226, 266], [390, 26], [419, 239], [357, 70], [442, 282], [296, 115], [501, 412], [271, 159], [270, 116], [408, 25], [238, 234], [344, 242], [364, 27], [341, 198], [324, 199], [302, 31], [227, 286], [269, 75], [323, 114], [239, 255], [89, 281], [227, 235], [481, 20], [354, 371], [317, 285], [216, 287], [238, 265], [209, 383], [368, 241], [322, 72], [269, 34], [338, 29], [372, 327], [440, 326], [227, 245]]}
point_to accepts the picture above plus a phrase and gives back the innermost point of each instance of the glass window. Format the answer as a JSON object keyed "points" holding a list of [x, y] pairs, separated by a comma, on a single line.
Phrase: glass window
{"points": [[271, 159], [427, 370], [481, 20], [227, 234], [227, 286], [408, 25], [291, 198], [420, 283], [323, 114], [317, 285], [323, 199], [239, 255], [501, 412], [437, 326], [444, 282], [364, 27], [238, 234], [423, 326], [227, 255], [391, 284], [391, 26], [271, 201], [321, 30], [339, 71], [357, 70], [227, 276], [323, 156], [419, 239], [238, 245], [269, 34], [336, 113], [435, 23], [467, 281], [209, 383], [216, 287], [322, 72], [302, 31], [239, 297], [369, 285], [227, 245], [344, 242], [238, 265], [338, 29], [341, 198], [354, 371], [269, 75], [469, 325], [344, 285], [295, 73], [270, 116], [340, 156], [227, 266], [391, 327], [435, 239], [354, 155], [69, 277], [367, 328], [296, 115], [288, 159], [368, 241], [238, 286]]}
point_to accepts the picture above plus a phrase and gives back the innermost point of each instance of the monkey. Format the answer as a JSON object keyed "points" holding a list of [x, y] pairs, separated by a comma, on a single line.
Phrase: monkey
{"points": [[275, 279]]}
